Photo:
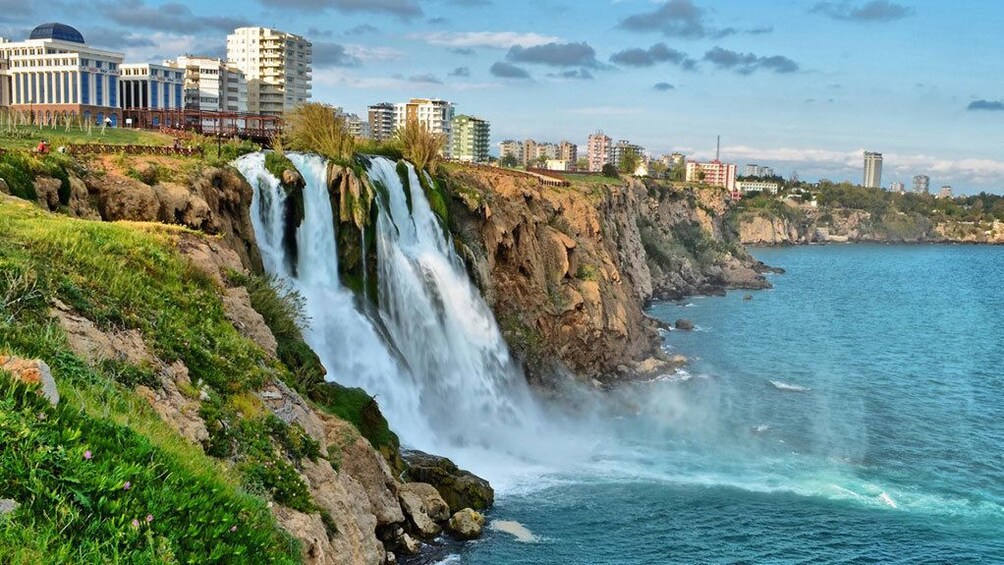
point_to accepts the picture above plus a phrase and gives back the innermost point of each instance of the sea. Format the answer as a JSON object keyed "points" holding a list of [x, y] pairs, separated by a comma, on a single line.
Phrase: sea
{"points": [[854, 413]]}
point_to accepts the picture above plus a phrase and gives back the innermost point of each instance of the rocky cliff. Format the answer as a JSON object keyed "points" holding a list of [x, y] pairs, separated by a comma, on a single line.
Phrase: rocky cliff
{"points": [[568, 270], [784, 224]]}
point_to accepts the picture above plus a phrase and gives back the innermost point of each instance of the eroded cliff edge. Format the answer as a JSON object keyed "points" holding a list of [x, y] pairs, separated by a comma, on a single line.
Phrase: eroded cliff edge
{"points": [[569, 269]]}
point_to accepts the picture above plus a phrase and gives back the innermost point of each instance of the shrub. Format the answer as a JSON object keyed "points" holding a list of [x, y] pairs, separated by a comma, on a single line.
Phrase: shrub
{"points": [[420, 146], [317, 128]]}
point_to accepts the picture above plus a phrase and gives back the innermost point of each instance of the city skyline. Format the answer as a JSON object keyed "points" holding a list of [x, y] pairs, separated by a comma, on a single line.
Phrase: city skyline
{"points": [[668, 76]]}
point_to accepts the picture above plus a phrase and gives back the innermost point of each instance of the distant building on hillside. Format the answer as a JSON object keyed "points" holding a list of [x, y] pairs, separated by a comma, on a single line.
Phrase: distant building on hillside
{"points": [[922, 184], [757, 186], [945, 192], [358, 127], [513, 148], [599, 151], [277, 66], [559, 165], [897, 187], [568, 151], [470, 139], [622, 148], [714, 173], [754, 170], [677, 160], [529, 153], [873, 170], [381, 121]]}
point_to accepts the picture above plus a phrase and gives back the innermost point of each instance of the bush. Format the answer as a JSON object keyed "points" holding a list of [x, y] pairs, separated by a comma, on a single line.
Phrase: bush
{"points": [[610, 171], [420, 146], [317, 128]]}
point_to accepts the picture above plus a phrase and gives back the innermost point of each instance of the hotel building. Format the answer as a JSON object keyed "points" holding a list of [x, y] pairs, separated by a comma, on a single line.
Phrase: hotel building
{"points": [[277, 66]]}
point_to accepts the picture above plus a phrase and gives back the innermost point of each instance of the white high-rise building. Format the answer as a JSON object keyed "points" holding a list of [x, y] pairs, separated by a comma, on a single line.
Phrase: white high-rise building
{"points": [[211, 84], [436, 115], [873, 170], [277, 65], [55, 75]]}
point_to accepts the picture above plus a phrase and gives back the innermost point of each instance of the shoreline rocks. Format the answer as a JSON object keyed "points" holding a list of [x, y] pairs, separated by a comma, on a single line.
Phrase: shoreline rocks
{"points": [[467, 524], [459, 488]]}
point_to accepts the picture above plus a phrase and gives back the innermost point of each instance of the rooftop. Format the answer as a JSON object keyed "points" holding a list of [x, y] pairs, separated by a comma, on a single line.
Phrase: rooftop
{"points": [[57, 31]]}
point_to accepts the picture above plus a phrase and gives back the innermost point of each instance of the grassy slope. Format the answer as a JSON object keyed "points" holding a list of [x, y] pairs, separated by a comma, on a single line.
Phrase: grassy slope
{"points": [[77, 510], [23, 137]]}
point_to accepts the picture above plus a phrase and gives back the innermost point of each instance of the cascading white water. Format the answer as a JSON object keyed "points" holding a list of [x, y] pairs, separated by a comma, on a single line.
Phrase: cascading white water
{"points": [[445, 380]]}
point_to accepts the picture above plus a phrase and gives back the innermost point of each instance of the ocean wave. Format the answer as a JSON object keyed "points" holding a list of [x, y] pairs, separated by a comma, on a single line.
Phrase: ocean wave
{"points": [[779, 385]]}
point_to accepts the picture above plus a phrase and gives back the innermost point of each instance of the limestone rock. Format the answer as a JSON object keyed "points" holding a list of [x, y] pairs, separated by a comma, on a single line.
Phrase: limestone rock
{"points": [[4, 189], [291, 408], [180, 205], [210, 257], [466, 524], [292, 177], [32, 372], [316, 545], [424, 506], [683, 324], [247, 320], [123, 198], [80, 205], [174, 407], [366, 465], [460, 489], [47, 190], [92, 343], [410, 545]]}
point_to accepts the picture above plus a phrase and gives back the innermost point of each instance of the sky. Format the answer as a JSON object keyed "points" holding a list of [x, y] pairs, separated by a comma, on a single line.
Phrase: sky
{"points": [[800, 85]]}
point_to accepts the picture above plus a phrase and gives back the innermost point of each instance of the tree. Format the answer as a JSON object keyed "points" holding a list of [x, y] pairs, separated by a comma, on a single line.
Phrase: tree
{"points": [[611, 171], [630, 160], [657, 169], [509, 161], [317, 128]]}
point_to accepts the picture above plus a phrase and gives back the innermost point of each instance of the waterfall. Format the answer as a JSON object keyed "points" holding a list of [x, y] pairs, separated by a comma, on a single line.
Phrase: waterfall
{"points": [[432, 353]]}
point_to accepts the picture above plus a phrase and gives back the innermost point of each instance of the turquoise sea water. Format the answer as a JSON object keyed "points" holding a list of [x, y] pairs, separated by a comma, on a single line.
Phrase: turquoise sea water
{"points": [[852, 414]]}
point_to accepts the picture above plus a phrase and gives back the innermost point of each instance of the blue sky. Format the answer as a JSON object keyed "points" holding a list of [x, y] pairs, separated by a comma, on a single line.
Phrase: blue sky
{"points": [[802, 85]]}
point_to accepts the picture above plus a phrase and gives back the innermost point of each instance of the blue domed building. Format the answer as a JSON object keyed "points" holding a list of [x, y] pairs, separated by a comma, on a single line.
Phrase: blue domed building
{"points": [[54, 77]]}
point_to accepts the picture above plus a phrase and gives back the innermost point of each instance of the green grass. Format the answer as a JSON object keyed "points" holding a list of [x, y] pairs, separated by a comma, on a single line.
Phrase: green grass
{"points": [[23, 137], [125, 276]]}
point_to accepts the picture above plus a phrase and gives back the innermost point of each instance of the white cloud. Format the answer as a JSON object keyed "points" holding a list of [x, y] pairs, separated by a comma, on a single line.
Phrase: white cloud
{"points": [[364, 53], [491, 39]]}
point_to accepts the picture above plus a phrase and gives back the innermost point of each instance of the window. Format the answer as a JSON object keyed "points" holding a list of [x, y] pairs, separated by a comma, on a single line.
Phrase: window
{"points": [[99, 90], [85, 87], [154, 94], [113, 91]]}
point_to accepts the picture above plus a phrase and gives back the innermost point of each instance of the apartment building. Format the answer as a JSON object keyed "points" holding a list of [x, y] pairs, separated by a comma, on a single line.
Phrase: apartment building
{"points": [[54, 75], [873, 170], [511, 147], [435, 114], [599, 151], [277, 66], [381, 118], [212, 84], [568, 151], [714, 173], [470, 139]]}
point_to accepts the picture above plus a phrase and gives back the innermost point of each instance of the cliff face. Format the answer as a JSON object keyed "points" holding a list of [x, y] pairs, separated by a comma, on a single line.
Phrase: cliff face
{"points": [[568, 270], [787, 225]]}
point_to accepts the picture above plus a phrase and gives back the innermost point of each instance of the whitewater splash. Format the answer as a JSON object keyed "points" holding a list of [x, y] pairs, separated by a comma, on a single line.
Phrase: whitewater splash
{"points": [[786, 387]]}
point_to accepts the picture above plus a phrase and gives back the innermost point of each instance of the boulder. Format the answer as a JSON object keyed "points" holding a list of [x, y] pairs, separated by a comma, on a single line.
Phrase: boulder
{"points": [[466, 524], [291, 177], [80, 204], [410, 545], [32, 372], [424, 506], [123, 198], [460, 489], [685, 325], [92, 343], [47, 189]]}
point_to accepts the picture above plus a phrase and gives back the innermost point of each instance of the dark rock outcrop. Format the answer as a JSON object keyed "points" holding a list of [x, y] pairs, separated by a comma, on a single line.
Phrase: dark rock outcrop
{"points": [[460, 489]]}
